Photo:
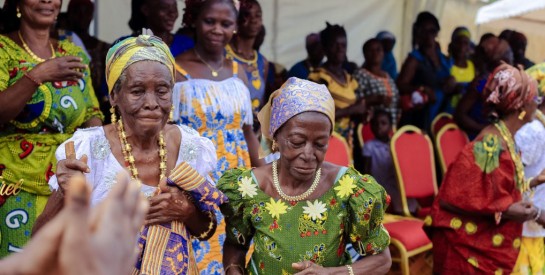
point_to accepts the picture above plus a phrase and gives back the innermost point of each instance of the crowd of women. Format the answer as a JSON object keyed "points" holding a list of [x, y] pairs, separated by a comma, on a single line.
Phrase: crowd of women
{"points": [[187, 115]]}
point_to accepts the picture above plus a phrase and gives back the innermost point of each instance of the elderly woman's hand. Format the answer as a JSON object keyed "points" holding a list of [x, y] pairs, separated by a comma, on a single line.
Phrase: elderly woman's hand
{"points": [[309, 267], [65, 68], [520, 211], [67, 168], [170, 205]]}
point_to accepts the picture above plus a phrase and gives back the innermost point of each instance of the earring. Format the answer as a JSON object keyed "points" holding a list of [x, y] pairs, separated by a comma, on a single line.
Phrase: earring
{"points": [[18, 13], [274, 146], [522, 115], [114, 117], [235, 32], [171, 115]]}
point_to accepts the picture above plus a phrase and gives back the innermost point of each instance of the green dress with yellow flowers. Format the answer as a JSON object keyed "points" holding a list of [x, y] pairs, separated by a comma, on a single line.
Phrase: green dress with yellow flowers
{"points": [[287, 232]]}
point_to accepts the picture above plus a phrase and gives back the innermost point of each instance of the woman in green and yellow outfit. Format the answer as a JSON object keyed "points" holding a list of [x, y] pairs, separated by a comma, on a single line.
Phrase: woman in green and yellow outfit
{"points": [[301, 211], [340, 83], [45, 94]]}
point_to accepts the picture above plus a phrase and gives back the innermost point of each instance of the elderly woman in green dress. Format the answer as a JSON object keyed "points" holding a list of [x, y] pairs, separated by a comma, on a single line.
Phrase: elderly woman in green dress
{"points": [[301, 211]]}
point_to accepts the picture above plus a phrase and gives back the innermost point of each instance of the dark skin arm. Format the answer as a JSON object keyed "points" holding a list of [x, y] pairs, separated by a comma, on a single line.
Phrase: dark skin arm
{"points": [[66, 169], [519, 211], [253, 146], [539, 179], [375, 264], [54, 205], [14, 98], [406, 76], [234, 255], [464, 106]]}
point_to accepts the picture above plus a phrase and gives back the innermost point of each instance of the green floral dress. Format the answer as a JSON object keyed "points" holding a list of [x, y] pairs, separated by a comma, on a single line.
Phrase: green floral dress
{"points": [[317, 230]]}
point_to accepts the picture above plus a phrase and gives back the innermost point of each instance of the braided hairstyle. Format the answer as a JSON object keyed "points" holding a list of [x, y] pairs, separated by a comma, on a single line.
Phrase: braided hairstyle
{"points": [[330, 34]]}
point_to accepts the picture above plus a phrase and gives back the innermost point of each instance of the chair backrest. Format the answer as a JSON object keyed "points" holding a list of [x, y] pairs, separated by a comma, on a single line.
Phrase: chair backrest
{"points": [[449, 142], [439, 122], [366, 132], [338, 151], [413, 157]]}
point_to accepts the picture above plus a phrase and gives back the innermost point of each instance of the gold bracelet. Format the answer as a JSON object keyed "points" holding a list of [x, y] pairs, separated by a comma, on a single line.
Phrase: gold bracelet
{"points": [[205, 234], [350, 270], [235, 265]]}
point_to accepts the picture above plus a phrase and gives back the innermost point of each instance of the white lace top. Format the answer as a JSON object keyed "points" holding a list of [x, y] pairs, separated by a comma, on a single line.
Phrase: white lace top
{"points": [[197, 151], [531, 142]]}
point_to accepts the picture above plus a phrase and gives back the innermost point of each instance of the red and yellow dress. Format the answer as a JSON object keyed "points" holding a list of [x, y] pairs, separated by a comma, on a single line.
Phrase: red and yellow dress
{"points": [[482, 182]]}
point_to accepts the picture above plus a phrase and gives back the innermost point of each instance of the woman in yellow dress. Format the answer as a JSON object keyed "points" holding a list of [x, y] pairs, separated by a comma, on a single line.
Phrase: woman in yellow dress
{"points": [[339, 82]]}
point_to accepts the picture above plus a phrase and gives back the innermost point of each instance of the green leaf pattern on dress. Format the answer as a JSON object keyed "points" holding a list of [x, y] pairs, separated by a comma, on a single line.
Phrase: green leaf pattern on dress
{"points": [[487, 153]]}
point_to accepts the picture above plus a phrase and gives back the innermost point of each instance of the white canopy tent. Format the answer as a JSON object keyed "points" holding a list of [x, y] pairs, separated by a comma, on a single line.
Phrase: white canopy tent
{"points": [[526, 16], [513, 13]]}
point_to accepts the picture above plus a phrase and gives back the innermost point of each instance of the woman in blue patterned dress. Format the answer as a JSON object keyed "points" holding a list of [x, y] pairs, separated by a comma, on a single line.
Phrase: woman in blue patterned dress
{"points": [[212, 98]]}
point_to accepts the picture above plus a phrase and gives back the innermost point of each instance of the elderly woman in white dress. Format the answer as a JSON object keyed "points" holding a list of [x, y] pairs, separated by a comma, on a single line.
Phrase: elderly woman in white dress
{"points": [[140, 77]]}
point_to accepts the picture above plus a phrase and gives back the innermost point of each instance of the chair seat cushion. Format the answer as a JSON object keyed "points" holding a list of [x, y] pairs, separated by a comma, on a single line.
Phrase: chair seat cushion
{"points": [[408, 232], [423, 212]]}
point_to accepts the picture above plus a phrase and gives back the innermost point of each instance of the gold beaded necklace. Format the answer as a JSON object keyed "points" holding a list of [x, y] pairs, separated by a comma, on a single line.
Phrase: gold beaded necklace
{"points": [[31, 53], [519, 168], [129, 158], [299, 197]]}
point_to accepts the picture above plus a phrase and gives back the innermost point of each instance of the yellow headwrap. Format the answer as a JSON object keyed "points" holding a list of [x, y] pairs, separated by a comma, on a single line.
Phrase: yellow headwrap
{"points": [[134, 49], [294, 97]]}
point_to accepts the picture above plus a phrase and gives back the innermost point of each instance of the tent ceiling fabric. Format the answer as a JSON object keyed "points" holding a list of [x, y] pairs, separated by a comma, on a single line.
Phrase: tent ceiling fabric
{"points": [[531, 11]]}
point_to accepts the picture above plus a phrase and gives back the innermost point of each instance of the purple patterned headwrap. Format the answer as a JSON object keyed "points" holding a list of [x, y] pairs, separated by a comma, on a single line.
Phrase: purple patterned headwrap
{"points": [[294, 97]]}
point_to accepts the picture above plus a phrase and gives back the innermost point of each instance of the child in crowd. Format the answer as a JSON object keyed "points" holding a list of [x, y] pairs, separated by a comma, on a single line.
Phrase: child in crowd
{"points": [[378, 160]]}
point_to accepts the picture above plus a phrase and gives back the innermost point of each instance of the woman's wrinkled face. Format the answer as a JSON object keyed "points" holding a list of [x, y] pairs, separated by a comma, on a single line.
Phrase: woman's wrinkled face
{"points": [[161, 14], [252, 21], [40, 12], [302, 143], [215, 26], [336, 50], [145, 98]]}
